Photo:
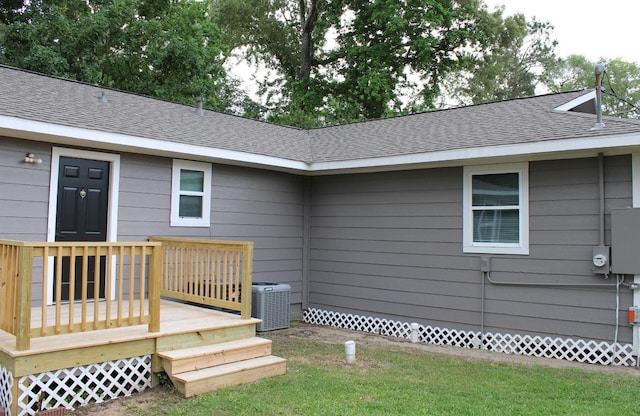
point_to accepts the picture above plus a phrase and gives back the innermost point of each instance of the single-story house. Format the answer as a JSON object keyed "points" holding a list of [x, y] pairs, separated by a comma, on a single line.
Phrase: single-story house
{"points": [[486, 226]]}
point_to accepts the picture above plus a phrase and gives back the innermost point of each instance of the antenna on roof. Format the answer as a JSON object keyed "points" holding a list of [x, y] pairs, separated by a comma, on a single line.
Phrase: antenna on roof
{"points": [[599, 70], [199, 110], [103, 97]]}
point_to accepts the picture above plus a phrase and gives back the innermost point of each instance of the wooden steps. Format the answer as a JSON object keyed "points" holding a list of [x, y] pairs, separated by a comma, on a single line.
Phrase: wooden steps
{"points": [[214, 378], [207, 368]]}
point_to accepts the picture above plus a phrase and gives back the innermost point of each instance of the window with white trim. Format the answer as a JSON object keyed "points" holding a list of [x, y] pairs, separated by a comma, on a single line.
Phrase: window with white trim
{"points": [[496, 209], [190, 194]]}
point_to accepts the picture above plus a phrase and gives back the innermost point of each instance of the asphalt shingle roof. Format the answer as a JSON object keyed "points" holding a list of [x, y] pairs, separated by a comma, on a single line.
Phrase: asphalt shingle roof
{"points": [[73, 104], [494, 124], [30, 96]]}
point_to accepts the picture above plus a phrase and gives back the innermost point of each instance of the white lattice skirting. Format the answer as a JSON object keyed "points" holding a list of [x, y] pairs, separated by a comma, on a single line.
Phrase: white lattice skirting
{"points": [[6, 383], [584, 351], [79, 386]]}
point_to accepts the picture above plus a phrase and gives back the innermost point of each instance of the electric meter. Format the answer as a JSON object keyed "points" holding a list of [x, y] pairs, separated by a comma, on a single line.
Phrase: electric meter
{"points": [[599, 260]]}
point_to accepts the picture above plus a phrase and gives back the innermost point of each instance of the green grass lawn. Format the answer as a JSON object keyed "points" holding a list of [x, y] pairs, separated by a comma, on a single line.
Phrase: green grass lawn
{"points": [[397, 380]]}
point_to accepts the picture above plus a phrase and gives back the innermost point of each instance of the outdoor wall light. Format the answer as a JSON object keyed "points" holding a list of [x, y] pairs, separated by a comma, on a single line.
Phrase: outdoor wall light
{"points": [[31, 158]]}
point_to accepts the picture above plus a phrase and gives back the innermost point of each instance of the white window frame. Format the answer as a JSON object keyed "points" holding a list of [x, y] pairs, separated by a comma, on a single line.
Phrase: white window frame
{"points": [[522, 247], [176, 220]]}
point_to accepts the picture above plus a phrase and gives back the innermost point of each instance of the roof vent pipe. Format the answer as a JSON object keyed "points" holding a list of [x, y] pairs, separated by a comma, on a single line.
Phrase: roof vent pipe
{"points": [[599, 70], [199, 110]]}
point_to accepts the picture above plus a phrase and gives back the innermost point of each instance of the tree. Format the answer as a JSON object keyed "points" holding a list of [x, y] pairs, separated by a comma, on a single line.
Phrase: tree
{"points": [[345, 60], [621, 83], [384, 43], [283, 36], [167, 49], [8, 9], [518, 56], [329, 61]]}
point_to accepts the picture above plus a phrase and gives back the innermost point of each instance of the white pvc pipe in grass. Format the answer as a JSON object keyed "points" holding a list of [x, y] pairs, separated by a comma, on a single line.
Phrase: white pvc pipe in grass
{"points": [[350, 351]]}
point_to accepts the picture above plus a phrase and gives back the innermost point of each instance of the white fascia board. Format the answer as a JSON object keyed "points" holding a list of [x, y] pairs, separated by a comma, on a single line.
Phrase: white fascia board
{"points": [[59, 134], [467, 156], [591, 95], [35, 130]]}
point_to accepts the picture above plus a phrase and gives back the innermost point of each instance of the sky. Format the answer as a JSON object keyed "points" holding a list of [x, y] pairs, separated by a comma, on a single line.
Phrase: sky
{"points": [[596, 29]]}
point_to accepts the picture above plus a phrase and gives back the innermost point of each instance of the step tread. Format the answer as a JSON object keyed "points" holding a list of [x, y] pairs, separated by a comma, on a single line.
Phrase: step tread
{"points": [[186, 353], [227, 369]]}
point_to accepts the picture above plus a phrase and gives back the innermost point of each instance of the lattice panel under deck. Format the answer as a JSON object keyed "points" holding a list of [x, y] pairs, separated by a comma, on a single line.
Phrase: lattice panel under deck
{"points": [[584, 351], [79, 386], [6, 383]]}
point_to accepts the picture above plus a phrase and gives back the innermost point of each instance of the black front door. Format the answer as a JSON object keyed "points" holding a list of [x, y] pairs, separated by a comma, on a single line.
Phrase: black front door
{"points": [[83, 198]]}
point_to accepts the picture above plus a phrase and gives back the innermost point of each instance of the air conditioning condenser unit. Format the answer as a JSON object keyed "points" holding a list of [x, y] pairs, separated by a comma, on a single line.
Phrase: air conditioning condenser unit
{"points": [[270, 302]]}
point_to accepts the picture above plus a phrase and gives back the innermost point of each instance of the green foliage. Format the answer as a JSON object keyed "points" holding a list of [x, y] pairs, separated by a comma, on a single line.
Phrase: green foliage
{"points": [[326, 62], [517, 57], [390, 48], [572, 73], [343, 61], [166, 49], [621, 82], [282, 36], [8, 9], [163, 379]]}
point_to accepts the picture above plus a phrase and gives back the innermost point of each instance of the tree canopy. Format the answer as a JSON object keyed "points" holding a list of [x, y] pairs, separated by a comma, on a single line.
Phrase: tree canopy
{"points": [[517, 59], [166, 49], [324, 61], [350, 60]]}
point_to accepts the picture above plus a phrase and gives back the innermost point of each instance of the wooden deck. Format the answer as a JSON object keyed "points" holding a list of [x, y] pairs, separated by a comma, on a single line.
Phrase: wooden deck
{"points": [[200, 349], [181, 325], [73, 353]]}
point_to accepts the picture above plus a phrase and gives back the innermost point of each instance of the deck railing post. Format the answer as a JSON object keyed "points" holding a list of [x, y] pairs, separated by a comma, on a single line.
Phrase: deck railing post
{"points": [[155, 286], [23, 298], [247, 278], [8, 272]]}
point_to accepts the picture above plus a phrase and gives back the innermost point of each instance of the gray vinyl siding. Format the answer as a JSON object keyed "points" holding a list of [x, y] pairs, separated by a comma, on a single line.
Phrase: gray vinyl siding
{"points": [[266, 208], [24, 190], [380, 244], [247, 204], [145, 199], [390, 245], [24, 194]]}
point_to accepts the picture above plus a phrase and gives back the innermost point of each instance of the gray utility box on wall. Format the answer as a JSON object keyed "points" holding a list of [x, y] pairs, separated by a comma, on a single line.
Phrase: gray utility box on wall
{"points": [[625, 241], [270, 302]]}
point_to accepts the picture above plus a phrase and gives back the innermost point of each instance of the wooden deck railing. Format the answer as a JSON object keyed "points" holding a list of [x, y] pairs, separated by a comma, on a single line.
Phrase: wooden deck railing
{"points": [[129, 295], [208, 272], [47, 288]]}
